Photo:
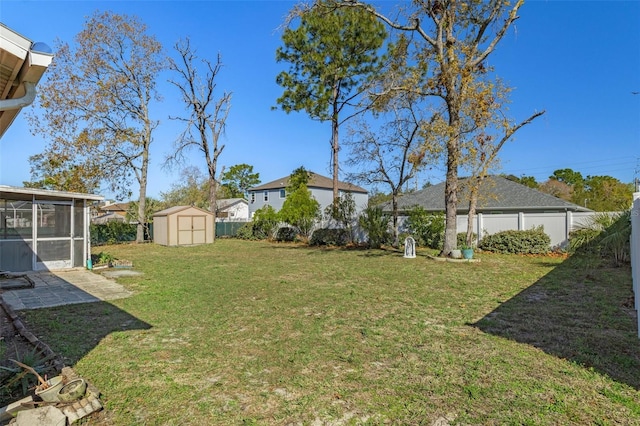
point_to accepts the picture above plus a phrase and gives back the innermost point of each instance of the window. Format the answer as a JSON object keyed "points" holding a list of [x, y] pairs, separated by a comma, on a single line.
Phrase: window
{"points": [[283, 193], [253, 197], [266, 196]]}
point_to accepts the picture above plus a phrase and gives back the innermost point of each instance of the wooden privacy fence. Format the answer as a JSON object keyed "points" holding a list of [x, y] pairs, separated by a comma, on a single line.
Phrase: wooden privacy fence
{"points": [[635, 252]]}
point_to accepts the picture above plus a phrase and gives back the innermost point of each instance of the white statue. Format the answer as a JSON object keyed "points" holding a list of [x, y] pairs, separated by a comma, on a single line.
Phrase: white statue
{"points": [[409, 248]]}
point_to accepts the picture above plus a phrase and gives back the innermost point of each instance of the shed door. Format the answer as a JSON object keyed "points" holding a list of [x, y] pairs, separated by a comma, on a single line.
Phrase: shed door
{"points": [[192, 230]]}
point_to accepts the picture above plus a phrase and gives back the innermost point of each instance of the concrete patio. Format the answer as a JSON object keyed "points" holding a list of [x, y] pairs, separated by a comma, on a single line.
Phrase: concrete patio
{"points": [[62, 288]]}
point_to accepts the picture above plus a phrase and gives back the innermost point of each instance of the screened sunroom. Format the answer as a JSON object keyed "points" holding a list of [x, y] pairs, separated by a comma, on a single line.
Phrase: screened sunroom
{"points": [[43, 230]]}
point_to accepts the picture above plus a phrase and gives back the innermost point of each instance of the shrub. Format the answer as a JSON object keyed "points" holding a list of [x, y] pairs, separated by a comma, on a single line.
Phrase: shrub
{"points": [[462, 239], [376, 224], [604, 234], [330, 237], [265, 223], [427, 228], [102, 258], [245, 232], [286, 234], [112, 233], [343, 213], [301, 211], [531, 241]]}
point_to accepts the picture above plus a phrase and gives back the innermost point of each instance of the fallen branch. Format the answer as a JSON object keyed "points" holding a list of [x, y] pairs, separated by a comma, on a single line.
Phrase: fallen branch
{"points": [[43, 382]]}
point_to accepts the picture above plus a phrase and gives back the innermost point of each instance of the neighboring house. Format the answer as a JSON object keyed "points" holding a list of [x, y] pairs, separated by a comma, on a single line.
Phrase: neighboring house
{"points": [[111, 212], [502, 205], [275, 192], [232, 210], [496, 195]]}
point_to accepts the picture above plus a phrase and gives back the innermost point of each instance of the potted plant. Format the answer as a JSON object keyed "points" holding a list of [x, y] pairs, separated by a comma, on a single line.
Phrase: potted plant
{"points": [[467, 251], [47, 390]]}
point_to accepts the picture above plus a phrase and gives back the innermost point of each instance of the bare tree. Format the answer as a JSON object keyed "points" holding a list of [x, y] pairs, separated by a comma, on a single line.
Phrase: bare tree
{"points": [[484, 153], [207, 115], [392, 154], [450, 44]]}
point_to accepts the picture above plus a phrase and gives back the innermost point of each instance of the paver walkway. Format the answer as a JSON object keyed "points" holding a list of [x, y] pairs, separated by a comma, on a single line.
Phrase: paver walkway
{"points": [[64, 288]]}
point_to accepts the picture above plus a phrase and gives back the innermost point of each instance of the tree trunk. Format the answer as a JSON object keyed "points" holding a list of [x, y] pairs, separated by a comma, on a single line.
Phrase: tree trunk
{"points": [[213, 198], [394, 210], [473, 204], [334, 149], [334, 142], [451, 184], [142, 198], [451, 203]]}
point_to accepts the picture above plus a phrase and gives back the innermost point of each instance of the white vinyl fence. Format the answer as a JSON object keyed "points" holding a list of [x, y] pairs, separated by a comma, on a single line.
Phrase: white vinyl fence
{"points": [[635, 252], [557, 225]]}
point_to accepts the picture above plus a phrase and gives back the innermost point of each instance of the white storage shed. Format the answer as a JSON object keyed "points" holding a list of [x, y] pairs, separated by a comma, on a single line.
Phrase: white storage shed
{"points": [[183, 226]]}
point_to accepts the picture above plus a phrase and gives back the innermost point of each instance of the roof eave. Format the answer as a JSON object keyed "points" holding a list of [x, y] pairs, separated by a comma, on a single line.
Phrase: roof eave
{"points": [[20, 65], [4, 189]]}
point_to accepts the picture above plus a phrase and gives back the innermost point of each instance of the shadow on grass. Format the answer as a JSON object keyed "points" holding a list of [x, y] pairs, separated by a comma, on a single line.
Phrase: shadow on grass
{"points": [[579, 311], [72, 331]]}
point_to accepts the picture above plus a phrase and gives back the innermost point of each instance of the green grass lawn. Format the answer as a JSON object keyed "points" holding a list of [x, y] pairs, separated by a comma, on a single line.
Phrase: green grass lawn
{"points": [[259, 333]]}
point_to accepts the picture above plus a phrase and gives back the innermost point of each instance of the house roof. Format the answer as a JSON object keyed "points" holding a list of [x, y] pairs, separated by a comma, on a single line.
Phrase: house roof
{"points": [[116, 207], [22, 64], [108, 217], [496, 194], [178, 209], [315, 181], [225, 203]]}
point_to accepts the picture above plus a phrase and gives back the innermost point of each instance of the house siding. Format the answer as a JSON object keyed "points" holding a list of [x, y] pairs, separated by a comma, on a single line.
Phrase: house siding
{"points": [[258, 202], [321, 188], [323, 196], [233, 212]]}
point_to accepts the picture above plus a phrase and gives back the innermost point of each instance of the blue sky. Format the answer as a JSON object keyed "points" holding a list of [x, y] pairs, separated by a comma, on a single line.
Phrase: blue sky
{"points": [[578, 60]]}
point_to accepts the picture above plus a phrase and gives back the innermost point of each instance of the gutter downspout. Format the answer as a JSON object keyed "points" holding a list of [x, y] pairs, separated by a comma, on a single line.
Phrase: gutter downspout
{"points": [[26, 100]]}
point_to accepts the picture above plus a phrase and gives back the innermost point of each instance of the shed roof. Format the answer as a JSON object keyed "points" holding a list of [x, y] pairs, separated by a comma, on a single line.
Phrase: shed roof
{"points": [[496, 193], [315, 181], [178, 209]]}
